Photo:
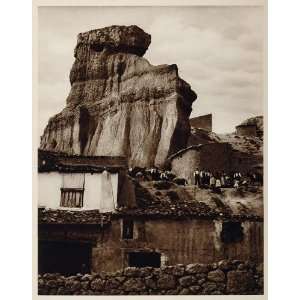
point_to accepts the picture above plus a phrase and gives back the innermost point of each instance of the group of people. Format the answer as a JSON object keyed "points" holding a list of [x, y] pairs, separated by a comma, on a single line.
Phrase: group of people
{"points": [[151, 174], [219, 180], [202, 178]]}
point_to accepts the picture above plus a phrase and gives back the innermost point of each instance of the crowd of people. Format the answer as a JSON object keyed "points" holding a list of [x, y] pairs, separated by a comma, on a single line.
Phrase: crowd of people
{"points": [[151, 174], [218, 180], [202, 178]]}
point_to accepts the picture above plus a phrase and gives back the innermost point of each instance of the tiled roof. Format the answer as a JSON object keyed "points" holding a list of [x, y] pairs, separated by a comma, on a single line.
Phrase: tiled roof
{"points": [[57, 216], [55, 161]]}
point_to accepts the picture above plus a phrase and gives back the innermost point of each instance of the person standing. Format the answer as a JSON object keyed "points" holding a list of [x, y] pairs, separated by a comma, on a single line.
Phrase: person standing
{"points": [[197, 177], [201, 178], [223, 183], [212, 181], [218, 186]]}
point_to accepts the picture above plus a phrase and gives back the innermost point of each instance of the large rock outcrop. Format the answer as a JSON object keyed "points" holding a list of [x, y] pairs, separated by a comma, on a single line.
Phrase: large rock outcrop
{"points": [[119, 104]]}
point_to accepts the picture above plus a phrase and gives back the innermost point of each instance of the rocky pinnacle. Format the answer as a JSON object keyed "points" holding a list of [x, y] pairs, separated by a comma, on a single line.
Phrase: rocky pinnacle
{"points": [[119, 104]]}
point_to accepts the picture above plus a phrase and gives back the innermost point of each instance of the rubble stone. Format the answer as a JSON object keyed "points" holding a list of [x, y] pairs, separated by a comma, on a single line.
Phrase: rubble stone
{"points": [[239, 282], [168, 280], [216, 276], [187, 280]]}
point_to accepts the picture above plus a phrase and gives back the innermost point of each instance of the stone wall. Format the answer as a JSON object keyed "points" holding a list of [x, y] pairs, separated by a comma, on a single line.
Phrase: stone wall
{"points": [[246, 130], [203, 122], [224, 277], [187, 241], [214, 157]]}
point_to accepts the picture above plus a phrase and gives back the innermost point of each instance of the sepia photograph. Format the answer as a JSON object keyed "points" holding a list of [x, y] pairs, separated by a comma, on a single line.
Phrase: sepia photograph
{"points": [[150, 169]]}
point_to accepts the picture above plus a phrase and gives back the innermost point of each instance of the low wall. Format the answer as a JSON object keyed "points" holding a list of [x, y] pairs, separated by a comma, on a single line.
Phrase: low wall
{"points": [[224, 277]]}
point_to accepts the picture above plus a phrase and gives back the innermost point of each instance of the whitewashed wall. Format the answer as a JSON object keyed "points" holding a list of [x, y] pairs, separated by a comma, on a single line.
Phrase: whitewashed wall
{"points": [[49, 185], [100, 189]]}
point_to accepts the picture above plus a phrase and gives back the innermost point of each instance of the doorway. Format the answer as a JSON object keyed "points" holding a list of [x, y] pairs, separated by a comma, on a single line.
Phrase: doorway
{"points": [[66, 258]]}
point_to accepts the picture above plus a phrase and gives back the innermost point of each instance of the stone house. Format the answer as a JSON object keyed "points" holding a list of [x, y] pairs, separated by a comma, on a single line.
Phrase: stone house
{"points": [[82, 182], [246, 130], [156, 232], [213, 157], [202, 122]]}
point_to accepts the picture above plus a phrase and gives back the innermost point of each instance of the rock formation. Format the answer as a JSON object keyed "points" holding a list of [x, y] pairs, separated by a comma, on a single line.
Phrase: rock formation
{"points": [[119, 104]]}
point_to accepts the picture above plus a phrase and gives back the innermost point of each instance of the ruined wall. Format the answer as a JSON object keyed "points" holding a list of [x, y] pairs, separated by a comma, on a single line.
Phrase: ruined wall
{"points": [[186, 241], [214, 157], [203, 122], [246, 130], [225, 277]]}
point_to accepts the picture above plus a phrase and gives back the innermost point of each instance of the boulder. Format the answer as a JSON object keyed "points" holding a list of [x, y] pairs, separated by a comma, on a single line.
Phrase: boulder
{"points": [[197, 268], [166, 282], [120, 104], [239, 282], [187, 281], [194, 289], [177, 270], [216, 276], [150, 282], [208, 287], [73, 285], [98, 284], [134, 285], [225, 265]]}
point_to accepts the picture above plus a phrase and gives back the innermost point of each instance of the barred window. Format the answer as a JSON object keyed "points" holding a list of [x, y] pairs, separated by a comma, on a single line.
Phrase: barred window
{"points": [[71, 197]]}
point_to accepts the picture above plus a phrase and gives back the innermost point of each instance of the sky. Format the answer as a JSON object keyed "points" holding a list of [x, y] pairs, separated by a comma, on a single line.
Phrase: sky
{"points": [[218, 51]]}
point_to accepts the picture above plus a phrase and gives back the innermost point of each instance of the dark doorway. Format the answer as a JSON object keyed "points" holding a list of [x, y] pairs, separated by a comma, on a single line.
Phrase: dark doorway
{"points": [[144, 259], [232, 232], [67, 258]]}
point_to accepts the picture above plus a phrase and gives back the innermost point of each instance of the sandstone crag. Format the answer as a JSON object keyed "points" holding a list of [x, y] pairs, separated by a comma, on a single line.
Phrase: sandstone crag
{"points": [[120, 104]]}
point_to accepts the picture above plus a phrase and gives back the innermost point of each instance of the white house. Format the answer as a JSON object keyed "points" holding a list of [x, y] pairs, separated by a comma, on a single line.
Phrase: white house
{"points": [[83, 183]]}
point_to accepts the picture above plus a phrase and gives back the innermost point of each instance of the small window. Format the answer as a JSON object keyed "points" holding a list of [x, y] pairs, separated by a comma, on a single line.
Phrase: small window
{"points": [[127, 229], [232, 232], [143, 259], [71, 197]]}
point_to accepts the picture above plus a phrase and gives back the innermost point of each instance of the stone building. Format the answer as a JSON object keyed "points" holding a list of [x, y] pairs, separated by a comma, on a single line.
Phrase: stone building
{"points": [[246, 130], [202, 122], [159, 231], [82, 182], [251, 127], [213, 157]]}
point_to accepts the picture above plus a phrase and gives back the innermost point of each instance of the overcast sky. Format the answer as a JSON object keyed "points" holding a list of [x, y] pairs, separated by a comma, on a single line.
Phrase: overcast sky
{"points": [[218, 50]]}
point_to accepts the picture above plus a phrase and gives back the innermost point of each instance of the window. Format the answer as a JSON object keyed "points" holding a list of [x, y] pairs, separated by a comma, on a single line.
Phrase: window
{"points": [[127, 229], [71, 197], [232, 232], [143, 259]]}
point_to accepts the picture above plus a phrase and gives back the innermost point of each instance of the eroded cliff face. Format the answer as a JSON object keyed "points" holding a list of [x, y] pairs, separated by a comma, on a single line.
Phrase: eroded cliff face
{"points": [[119, 104]]}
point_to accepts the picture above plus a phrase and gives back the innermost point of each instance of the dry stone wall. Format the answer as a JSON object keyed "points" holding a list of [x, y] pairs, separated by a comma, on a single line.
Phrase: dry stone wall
{"points": [[224, 277]]}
